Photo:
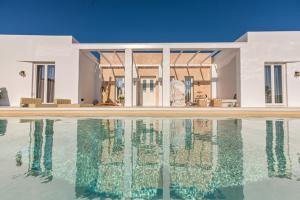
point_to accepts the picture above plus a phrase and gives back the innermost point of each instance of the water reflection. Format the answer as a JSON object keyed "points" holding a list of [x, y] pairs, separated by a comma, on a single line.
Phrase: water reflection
{"points": [[3, 126], [39, 168], [160, 159], [276, 148]]}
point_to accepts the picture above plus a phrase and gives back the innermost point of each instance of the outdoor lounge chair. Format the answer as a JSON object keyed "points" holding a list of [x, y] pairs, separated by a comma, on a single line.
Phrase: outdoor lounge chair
{"points": [[43, 105], [62, 101], [25, 102], [202, 102], [216, 102], [66, 103]]}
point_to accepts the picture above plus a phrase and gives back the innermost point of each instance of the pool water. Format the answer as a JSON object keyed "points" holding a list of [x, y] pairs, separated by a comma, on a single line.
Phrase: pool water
{"points": [[149, 158]]}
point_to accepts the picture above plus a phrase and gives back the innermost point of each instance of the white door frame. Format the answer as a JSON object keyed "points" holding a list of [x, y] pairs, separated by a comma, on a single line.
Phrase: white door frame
{"points": [[154, 78], [284, 85], [34, 79]]}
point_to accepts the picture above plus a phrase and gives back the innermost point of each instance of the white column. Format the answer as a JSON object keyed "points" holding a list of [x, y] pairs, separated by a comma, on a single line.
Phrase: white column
{"points": [[166, 159], [128, 77], [160, 92], [134, 91], [166, 77], [214, 78], [127, 159], [33, 83], [45, 83], [99, 82]]}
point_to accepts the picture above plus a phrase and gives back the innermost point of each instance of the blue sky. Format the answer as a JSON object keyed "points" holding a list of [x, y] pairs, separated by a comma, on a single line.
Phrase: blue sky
{"points": [[148, 20]]}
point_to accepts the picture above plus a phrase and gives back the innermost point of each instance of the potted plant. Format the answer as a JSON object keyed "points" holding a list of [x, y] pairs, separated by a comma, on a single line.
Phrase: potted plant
{"points": [[122, 100]]}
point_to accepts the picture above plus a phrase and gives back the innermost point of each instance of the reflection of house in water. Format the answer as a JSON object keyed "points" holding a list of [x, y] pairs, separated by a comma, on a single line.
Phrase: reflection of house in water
{"points": [[99, 158], [277, 149], [41, 164], [148, 158], [3, 126], [191, 158], [228, 177]]}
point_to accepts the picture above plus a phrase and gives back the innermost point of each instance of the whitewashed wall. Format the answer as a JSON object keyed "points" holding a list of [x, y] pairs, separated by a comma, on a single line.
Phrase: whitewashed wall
{"points": [[16, 49], [293, 83], [228, 77], [267, 47], [88, 78]]}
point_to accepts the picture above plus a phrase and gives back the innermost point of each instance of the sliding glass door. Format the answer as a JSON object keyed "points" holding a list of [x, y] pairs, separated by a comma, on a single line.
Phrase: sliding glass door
{"points": [[45, 82], [275, 84], [50, 83]]}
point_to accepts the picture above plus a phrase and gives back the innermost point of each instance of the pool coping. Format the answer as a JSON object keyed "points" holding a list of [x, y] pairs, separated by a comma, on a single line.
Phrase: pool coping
{"points": [[149, 112]]}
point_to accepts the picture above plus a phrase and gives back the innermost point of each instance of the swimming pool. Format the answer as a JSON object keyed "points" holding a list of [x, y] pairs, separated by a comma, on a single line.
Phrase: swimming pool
{"points": [[149, 158]]}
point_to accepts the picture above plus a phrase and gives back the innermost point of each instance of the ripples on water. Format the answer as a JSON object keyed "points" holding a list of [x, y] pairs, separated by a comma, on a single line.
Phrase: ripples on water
{"points": [[149, 158]]}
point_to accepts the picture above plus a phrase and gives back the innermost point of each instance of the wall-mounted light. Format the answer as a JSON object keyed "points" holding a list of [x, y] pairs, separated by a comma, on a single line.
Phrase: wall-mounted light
{"points": [[22, 73], [297, 74]]}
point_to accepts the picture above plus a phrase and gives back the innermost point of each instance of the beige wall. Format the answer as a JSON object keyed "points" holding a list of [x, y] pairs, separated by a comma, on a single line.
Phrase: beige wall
{"points": [[201, 79]]}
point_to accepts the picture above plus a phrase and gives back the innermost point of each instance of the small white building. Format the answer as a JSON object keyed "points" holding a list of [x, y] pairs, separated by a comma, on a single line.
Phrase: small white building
{"points": [[260, 69]]}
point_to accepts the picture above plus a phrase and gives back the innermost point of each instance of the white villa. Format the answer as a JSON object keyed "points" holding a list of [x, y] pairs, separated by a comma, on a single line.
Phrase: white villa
{"points": [[260, 69]]}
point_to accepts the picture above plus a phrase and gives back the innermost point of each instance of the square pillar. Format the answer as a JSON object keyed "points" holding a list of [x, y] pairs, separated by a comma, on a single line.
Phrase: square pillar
{"points": [[45, 84], [166, 77], [99, 82], [160, 92], [128, 77], [134, 91], [214, 78]]}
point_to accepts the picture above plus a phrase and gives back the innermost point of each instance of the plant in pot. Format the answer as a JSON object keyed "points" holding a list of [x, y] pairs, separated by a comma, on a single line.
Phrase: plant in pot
{"points": [[122, 99]]}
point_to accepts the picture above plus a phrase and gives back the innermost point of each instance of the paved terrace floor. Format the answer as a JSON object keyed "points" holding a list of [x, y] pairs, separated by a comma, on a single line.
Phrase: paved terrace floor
{"points": [[150, 112]]}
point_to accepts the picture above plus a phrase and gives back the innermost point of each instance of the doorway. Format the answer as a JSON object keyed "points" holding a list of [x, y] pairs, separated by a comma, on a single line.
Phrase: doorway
{"points": [[45, 87], [148, 91], [275, 87]]}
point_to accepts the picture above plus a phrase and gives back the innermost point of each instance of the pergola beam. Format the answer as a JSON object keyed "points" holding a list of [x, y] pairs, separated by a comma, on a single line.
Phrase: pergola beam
{"points": [[105, 58], [178, 56], [119, 58], [192, 58], [210, 55]]}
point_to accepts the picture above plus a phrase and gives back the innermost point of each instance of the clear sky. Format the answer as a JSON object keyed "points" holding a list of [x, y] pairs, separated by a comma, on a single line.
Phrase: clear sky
{"points": [[148, 20]]}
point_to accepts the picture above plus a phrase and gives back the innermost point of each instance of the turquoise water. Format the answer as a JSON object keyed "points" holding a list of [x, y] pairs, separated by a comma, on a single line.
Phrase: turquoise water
{"points": [[149, 158]]}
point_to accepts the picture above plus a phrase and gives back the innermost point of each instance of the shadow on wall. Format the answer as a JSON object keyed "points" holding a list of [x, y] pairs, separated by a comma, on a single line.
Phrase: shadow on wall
{"points": [[4, 100]]}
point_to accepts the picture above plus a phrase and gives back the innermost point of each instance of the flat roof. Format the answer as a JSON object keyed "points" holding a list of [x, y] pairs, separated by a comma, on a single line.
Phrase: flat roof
{"points": [[159, 46]]}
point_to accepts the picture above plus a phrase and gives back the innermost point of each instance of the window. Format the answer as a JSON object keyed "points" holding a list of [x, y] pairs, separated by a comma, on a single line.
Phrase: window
{"points": [[144, 85], [120, 87], [278, 83], [45, 82], [188, 88], [40, 77], [274, 83], [50, 83], [151, 85], [268, 84]]}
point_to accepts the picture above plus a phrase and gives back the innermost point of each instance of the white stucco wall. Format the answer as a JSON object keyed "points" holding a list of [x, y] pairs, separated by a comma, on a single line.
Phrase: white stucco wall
{"points": [[14, 49], [267, 47], [293, 90], [88, 78], [228, 77]]}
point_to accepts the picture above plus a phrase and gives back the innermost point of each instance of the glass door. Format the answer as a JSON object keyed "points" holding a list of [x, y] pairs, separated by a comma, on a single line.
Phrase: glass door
{"points": [[188, 82], [50, 83], [45, 82], [40, 81], [275, 84]]}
